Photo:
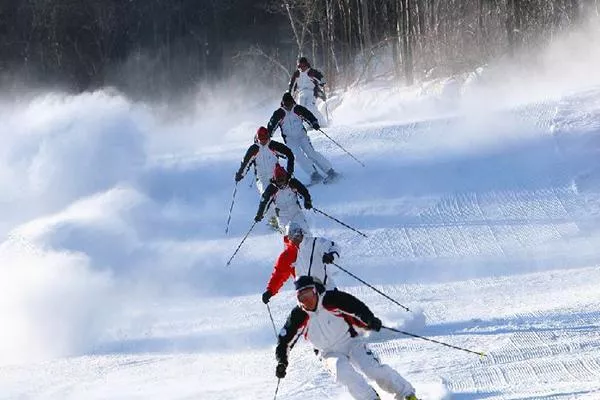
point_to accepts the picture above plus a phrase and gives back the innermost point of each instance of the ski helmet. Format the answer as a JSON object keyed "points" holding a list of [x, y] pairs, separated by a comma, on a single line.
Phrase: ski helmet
{"points": [[306, 281], [303, 62], [287, 99], [294, 230], [280, 175], [262, 134]]}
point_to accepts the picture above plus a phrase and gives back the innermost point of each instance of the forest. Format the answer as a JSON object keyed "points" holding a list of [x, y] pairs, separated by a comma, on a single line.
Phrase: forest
{"points": [[155, 45]]}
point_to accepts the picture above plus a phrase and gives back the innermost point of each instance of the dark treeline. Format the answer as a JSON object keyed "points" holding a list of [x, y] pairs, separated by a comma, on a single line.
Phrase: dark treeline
{"points": [[151, 45]]}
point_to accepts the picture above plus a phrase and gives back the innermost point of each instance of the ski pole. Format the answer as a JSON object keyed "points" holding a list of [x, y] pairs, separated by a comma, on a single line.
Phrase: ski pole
{"points": [[338, 221], [272, 320], [340, 146], [277, 388], [231, 208], [240, 245], [274, 331], [479, 353], [372, 287]]}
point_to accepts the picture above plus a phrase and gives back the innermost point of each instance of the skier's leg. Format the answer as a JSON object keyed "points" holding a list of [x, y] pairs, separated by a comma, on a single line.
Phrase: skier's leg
{"points": [[314, 155], [304, 99], [261, 185], [341, 369], [307, 99], [300, 219], [283, 220], [386, 377], [300, 157]]}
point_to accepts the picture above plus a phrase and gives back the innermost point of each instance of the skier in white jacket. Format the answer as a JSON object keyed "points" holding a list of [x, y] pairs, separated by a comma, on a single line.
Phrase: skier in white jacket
{"points": [[289, 118], [264, 154], [327, 319], [282, 193], [307, 84]]}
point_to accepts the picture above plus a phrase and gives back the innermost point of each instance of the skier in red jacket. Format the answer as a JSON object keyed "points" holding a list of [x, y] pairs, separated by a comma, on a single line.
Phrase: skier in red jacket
{"points": [[304, 255]]}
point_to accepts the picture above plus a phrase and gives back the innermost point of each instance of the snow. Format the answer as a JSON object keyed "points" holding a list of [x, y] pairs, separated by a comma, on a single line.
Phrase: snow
{"points": [[481, 217]]}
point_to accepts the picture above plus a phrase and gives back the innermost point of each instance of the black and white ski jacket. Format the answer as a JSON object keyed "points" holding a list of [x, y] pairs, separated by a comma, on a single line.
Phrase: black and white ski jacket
{"points": [[328, 328], [290, 122], [265, 157], [285, 199]]}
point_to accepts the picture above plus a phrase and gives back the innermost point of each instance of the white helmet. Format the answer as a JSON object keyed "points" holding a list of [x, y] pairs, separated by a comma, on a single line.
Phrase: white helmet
{"points": [[294, 230]]}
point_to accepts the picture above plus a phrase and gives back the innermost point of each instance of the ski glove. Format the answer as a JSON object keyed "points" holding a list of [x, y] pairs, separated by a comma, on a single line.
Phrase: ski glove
{"points": [[238, 176], [374, 325], [328, 257], [280, 370], [307, 204], [258, 218], [316, 126], [266, 296]]}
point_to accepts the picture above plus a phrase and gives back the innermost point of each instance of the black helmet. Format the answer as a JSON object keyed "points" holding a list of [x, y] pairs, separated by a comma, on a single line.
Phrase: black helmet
{"points": [[287, 98], [303, 61], [306, 281]]}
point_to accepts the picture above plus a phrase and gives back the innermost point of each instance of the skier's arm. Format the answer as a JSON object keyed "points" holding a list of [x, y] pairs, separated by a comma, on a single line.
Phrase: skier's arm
{"points": [[304, 113], [295, 75], [289, 335], [329, 250], [316, 74], [287, 152], [296, 185], [250, 153], [275, 120], [282, 270], [264, 200], [354, 310]]}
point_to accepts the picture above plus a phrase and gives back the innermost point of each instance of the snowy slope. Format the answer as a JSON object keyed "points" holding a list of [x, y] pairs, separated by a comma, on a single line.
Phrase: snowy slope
{"points": [[483, 220]]}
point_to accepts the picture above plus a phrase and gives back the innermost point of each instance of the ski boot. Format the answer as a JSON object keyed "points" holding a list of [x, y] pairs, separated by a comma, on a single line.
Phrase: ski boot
{"points": [[273, 223], [315, 178], [331, 176]]}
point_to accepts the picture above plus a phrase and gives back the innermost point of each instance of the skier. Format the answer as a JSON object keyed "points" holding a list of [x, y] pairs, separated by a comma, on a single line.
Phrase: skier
{"points": [[303, 254], [283, 192], [328, 318], [264, 154], [307, 83], [289, 118]]}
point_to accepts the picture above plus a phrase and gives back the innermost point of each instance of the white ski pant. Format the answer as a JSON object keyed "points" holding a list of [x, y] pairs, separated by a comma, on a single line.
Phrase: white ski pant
{"points": [[306, 155], [284, 218], [344, 365], [262, 183], [307, 99]]}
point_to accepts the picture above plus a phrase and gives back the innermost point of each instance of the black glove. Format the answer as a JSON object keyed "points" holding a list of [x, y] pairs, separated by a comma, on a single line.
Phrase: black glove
{"points": [[266, 296], [280, 370], [316, 126], [238, 176], [307, 204], [258, 218], [374, 325], [328, 257]]}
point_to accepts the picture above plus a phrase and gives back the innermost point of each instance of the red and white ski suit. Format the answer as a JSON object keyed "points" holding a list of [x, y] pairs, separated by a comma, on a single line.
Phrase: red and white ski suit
{"points": [[331, 330], [306, 259]]}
